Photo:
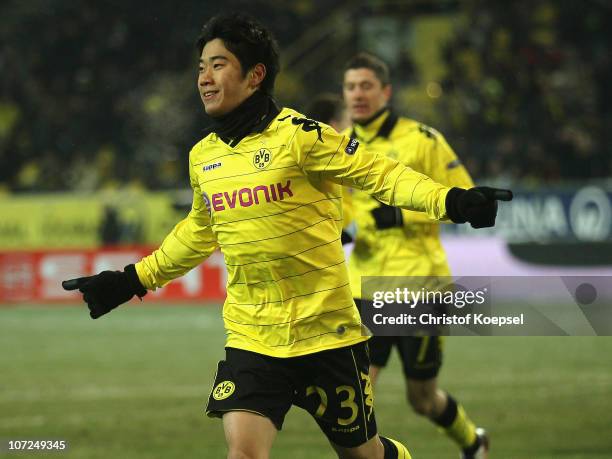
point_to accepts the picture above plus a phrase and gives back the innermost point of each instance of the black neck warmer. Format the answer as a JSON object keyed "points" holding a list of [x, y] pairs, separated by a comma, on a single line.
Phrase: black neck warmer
{"points": [[252, 115]]}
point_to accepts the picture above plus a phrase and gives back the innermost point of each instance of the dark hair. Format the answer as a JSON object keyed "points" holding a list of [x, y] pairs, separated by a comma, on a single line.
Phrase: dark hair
{"points": [[325, 107], [369, 61], [249, 40]]}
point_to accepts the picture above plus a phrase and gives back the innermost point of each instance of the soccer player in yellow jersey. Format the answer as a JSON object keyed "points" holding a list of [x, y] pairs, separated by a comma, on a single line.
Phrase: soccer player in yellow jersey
{"points": [[396, 242], [267, 192]]}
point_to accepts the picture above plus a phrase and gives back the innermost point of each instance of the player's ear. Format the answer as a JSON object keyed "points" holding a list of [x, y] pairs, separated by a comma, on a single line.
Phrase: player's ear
{"points": [[256, 75], [388, 91]]}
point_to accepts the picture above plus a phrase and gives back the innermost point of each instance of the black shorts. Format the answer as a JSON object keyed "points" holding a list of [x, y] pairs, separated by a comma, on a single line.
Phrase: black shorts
{"points": [[421, 355], [333, 386]]}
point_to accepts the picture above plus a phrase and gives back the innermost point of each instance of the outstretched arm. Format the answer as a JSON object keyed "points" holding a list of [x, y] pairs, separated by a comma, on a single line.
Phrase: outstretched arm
{"points": [[325, 154], [189, 244]]}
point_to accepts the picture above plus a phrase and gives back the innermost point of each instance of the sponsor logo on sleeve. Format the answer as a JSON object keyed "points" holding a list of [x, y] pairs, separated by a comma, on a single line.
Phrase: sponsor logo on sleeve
{"points": [[352, 146]]}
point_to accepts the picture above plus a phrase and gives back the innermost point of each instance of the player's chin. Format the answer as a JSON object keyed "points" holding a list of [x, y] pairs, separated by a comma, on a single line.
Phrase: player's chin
{"points": [[359, 116], [212, 108]]}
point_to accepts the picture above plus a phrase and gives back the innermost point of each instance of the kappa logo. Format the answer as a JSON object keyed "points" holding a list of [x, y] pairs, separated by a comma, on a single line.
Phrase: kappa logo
{"points": [[369, 393], [224, 390], [307, 124], [428, 131], [352, 146], [262, 158], [210, 167]]}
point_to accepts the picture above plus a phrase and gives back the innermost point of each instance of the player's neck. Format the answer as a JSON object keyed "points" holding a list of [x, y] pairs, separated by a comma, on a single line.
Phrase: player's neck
{"points": [[252, 115], [369, 129], [374, 117]]}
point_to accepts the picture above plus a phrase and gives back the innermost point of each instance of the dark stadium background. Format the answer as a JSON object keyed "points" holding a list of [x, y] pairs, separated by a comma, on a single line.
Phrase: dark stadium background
{"points": [[98, 110]]}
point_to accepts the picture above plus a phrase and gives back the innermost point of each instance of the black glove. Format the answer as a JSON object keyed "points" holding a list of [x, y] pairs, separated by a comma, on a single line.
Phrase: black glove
{"points": [[476, 205], [387, 216], [107, 290]]}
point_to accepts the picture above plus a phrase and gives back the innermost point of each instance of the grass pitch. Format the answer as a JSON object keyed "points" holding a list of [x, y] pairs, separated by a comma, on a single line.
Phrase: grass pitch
{"points": [[134, 384]]}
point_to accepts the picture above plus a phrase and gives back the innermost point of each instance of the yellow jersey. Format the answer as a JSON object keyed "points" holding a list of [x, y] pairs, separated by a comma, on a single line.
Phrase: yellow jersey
{"points": [[414, 249], [272, 205]]}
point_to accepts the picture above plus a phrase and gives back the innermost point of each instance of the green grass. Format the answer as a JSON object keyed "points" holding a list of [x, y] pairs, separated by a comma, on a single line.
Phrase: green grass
{"points": [[134, 385]]}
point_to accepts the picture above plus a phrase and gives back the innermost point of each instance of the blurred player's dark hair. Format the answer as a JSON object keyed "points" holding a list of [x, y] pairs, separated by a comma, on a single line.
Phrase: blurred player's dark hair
{"points": [[249, 40], [369, 61], [326, 108]]}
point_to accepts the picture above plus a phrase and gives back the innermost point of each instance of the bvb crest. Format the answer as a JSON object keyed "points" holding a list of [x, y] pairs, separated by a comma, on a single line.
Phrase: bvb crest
{"points": [[262, 158]]}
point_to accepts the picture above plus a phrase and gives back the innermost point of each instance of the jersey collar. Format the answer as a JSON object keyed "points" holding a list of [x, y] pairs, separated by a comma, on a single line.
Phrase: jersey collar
{"points": [[380, 126]]}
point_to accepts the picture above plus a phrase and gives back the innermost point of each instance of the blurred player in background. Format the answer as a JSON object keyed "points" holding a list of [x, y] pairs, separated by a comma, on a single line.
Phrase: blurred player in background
{"points": [[267, 192], [391, 241]]}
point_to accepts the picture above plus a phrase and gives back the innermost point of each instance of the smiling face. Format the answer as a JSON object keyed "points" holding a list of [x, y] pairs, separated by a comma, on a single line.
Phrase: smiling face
{"points": [[364, 93], [221, 83]]}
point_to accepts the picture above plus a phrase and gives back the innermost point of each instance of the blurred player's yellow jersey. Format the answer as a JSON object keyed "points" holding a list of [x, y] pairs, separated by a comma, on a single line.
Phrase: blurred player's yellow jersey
{"points": [[415, 249], [272, 204]]}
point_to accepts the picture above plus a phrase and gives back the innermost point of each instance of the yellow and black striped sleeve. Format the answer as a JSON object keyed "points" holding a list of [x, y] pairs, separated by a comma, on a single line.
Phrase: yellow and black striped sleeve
{"points": [[325, 154], [188, 244], [437, 160]]}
